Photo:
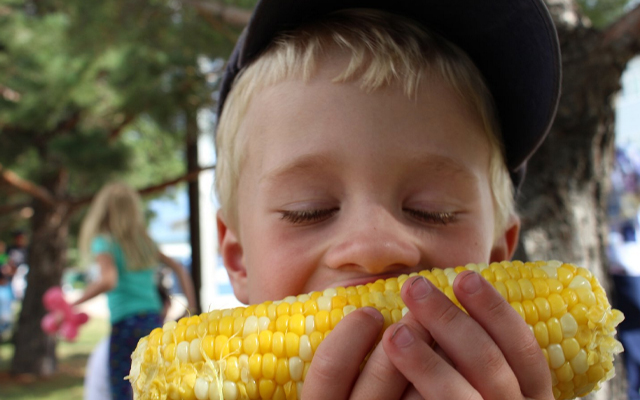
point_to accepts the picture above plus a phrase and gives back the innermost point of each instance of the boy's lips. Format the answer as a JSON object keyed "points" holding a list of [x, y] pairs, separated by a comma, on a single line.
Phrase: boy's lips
{"points": [[363, 280]]}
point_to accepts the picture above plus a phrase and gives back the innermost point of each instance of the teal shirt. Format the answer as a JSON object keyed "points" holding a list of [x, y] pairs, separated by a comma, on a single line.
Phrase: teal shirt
{"points": [[135, 292]]}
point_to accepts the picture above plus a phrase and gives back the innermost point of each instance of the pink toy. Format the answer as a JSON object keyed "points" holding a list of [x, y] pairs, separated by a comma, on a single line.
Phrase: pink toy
{"points": [[61, 317]]}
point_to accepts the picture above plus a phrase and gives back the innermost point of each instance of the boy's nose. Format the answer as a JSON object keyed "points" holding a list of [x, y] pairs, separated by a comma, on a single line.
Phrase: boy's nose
{"points": [[376, 243]]}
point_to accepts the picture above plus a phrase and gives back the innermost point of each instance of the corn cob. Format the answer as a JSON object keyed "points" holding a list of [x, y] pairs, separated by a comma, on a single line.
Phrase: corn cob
{"points": [[264, 351]]}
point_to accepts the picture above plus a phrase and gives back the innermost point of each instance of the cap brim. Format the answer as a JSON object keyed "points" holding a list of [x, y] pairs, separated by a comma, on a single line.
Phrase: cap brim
{"points": [[512, 42]]}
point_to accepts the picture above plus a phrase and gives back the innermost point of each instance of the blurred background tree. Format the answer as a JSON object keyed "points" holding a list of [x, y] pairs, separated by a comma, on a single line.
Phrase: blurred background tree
{"points": [[93, 91], [563, 202]]}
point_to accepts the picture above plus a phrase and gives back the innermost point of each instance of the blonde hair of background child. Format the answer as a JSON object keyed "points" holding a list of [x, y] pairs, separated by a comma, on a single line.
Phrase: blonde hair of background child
{"points": [[384, 49], [116, 211]]}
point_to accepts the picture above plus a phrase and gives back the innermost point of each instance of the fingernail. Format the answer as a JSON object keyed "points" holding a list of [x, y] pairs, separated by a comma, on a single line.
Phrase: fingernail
{"points": [[419, 288], [470, 283], [374, 313], [402, 336]]}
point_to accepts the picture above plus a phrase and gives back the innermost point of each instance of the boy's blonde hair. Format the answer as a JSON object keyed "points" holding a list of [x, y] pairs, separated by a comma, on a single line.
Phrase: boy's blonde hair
{"points": [[116, 211], [384, 49]]}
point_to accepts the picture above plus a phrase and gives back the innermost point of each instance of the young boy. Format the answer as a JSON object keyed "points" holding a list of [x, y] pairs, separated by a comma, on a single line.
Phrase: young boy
{"points": [[364, 140]]}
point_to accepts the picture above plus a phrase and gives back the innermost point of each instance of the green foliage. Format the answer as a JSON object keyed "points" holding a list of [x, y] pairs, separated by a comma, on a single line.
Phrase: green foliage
{"points": [[603, 12], [100, 89]]}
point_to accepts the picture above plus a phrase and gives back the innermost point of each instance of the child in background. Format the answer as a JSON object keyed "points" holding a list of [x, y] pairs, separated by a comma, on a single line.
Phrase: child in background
{"points": [[96, 379], [114, 233], [6, 298], [364, 140]]}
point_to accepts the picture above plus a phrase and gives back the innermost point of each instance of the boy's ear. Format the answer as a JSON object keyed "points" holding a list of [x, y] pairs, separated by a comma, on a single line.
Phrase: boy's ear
{"points": [[505, 245], [232, 257]]}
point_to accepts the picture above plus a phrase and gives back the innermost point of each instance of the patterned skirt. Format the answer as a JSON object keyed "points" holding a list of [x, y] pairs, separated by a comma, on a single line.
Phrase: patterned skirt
{"points": [[125, 335]]}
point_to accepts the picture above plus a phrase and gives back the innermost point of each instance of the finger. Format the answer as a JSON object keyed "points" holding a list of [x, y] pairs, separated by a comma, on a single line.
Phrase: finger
{"points": [[473, 352], [444, 355], [380, 378], [430, 374], [411, 393], [336, 363], [517, 343]]}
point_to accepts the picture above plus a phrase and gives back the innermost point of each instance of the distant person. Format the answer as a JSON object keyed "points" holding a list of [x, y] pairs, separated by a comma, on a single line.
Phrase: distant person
{"points": [[16, 255], [15, 260], [6, 315], [3, 254], [17, 250], [624, 258], [114, 234], [96, 379], [4, 258]]}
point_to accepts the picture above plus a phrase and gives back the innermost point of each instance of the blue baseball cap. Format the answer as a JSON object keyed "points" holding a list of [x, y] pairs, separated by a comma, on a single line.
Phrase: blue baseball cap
{"points": [[513, 43]]}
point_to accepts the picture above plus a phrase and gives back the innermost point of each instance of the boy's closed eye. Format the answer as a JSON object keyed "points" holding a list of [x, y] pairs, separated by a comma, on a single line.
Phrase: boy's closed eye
{"points": [[307, 216], [431, 217], [318, 215]]}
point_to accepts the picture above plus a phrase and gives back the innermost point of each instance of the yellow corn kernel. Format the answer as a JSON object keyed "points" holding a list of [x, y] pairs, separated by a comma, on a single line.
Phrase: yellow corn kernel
{"points": [[543, 307], [555, 330], [269, 363], [513, 289], [541, 333], [232, 372], [292, 344], [264, 351], [266, 388], [296, 308], [255, 365], [310, 307], [570, 348], [282, 323], [225, 326], [297, 323], [282, 371], [251, 344], [277, 346], [557, 304], [530, 312], [221, 347], [315, 338]]}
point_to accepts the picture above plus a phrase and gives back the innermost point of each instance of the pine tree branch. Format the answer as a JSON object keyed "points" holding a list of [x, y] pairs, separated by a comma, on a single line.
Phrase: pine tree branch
{"points": [[9, 94], [115, 132], [26, 186], [11, 208], [217, 24], [189, 176], [234, 16], [624, 34]]}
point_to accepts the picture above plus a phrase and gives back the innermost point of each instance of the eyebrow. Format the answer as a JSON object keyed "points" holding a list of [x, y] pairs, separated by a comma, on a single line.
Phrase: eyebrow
{"points": [[443, 165], [306, 164], [302, 165]]}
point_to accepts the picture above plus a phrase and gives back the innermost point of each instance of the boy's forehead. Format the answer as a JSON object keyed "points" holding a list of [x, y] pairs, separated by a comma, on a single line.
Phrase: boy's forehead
{"points": [[307, 129], [512, 42]]}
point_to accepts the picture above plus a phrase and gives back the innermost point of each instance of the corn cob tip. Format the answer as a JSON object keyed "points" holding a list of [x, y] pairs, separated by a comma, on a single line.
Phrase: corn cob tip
{"points": [[264, 351]]}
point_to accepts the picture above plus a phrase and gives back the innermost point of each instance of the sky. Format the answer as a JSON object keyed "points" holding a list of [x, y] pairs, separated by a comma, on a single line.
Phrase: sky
{"points": [[170, 224], [628, 106]]}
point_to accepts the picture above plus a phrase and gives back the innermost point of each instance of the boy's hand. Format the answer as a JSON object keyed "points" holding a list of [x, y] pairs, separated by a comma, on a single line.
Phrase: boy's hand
{"points": [[493, 353], [335, 370], [488, 354]]}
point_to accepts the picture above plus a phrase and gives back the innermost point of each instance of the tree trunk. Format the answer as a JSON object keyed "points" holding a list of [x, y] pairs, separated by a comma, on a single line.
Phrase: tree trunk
{"points": [[563, 200], [35, 350]]}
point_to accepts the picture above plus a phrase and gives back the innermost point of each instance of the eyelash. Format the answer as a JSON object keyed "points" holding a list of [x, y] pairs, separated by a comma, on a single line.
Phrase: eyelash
{"points": [[442, 218], [307, 216]]}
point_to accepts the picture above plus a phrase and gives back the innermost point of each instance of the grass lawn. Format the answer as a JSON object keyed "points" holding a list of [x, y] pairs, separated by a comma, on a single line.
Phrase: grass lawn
{"points": [[66, 383]]}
